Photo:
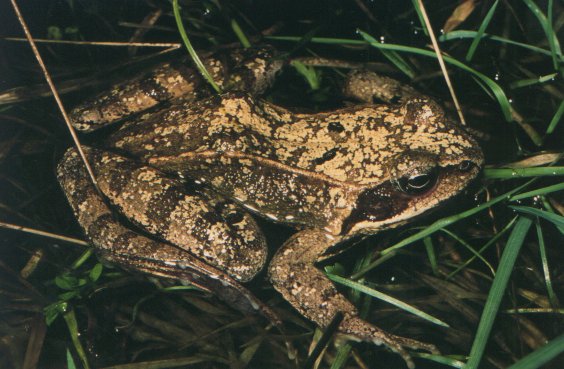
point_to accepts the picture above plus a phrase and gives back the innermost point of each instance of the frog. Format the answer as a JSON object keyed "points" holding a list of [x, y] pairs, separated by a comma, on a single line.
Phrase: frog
{"points": [[189, 169]]}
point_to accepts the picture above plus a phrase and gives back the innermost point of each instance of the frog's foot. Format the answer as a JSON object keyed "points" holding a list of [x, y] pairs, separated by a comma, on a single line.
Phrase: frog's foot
{"points": [[356, 329]]}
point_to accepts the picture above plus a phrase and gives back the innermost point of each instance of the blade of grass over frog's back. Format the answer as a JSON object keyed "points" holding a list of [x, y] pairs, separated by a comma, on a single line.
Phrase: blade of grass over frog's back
{"points": [[193, 54]]}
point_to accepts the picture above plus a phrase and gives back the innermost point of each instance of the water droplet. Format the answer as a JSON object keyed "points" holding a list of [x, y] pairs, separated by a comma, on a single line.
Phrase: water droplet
{"points": [[382, 39], [496, 77]]}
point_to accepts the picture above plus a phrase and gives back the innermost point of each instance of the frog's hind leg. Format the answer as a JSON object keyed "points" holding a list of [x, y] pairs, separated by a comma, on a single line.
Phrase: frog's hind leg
{"points": [[294, 275], [252, 70], [131, 250], [168, 81], [198, 221]]}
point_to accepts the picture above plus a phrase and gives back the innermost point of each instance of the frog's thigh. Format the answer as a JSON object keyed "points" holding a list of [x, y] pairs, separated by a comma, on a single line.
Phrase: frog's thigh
{"points": [[367, 86], [295, 276], [210, 227]]}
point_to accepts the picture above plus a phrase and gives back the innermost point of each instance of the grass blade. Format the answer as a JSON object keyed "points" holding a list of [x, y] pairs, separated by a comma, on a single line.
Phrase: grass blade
{"points": [[539, 191], [487, 245], [480, 33], [193, 54], [554, 121], [342, 355], [72, 325], [556, 219], [532, 81], [507, 173], [542, 355], [389, 299], [428, 241], [420, 16], [460, 34], [470, 249], [243, 39], [392, 56], [546, 25], [497, 290], [546, 270]]}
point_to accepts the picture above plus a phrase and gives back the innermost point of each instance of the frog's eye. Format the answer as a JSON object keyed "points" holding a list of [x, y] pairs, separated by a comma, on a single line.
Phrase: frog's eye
{"points": [[466, 166], [418, 183]]}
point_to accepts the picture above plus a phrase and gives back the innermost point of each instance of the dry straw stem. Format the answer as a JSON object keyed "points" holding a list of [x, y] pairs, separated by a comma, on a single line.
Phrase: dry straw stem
{"points": [[55, 93], [441, 61]]}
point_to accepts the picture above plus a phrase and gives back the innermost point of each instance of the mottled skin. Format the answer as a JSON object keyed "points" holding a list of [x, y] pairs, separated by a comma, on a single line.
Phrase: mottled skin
{"points": [[334, 175]]}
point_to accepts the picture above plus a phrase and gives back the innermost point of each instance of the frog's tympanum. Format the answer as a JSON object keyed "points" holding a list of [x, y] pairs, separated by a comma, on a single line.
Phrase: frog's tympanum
{"points": [[188, 167]]}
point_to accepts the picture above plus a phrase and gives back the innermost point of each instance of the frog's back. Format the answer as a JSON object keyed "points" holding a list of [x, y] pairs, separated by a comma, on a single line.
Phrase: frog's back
{"points": [[247, 151], [295, 168]]}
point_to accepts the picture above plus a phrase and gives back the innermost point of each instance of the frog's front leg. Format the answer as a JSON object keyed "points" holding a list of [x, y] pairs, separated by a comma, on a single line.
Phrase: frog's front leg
{"points": [[295, 276]]}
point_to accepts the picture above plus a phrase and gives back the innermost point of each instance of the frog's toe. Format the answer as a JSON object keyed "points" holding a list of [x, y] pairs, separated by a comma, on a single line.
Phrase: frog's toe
{"points": [[357, 329]]}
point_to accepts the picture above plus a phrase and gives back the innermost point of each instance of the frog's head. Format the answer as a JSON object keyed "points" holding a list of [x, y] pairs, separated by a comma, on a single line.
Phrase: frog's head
{"points": [[435, 159]]}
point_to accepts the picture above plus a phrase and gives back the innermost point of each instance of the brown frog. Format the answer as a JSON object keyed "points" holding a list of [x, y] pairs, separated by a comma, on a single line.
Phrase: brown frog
{"points": [[332, 175]]}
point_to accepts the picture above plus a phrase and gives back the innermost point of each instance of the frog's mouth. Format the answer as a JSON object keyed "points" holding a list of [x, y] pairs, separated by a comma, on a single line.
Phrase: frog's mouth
{"points": [[392, 204]]}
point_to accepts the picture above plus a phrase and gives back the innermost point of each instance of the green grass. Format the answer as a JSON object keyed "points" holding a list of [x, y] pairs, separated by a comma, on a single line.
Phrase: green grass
{"points": [[480, 279]]}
